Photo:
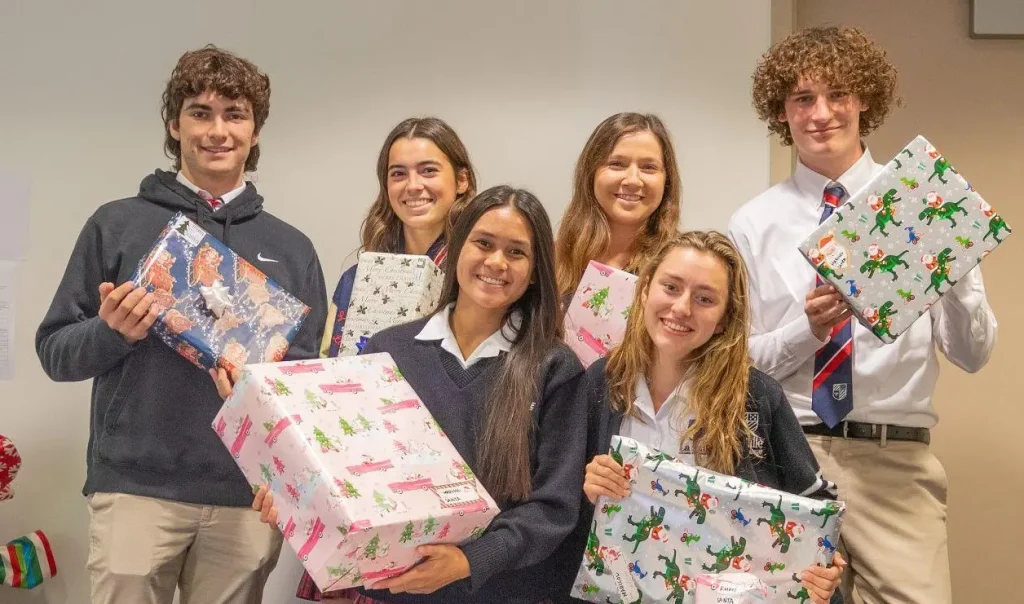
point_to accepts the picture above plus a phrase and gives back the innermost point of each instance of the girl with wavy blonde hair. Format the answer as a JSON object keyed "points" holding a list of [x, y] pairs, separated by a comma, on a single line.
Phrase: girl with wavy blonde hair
{"points": [[682, 382]]}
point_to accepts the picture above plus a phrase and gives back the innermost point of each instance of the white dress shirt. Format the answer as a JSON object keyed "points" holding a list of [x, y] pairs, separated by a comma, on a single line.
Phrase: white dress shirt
{"points": [[892, 383], [663, 430], [439, 328], [224, 199]]}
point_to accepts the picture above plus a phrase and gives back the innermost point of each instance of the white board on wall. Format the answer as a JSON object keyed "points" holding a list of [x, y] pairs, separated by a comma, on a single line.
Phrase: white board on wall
{"points": [[997, 18]]}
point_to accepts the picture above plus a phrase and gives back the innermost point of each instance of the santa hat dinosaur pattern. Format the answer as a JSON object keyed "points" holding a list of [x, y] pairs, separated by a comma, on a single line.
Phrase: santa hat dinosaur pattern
{"points": [[26, 561]]}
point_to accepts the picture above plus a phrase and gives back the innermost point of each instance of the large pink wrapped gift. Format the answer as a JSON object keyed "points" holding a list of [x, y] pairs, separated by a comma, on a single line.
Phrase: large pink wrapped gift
{"points": [[595, 321], [361, 473]]}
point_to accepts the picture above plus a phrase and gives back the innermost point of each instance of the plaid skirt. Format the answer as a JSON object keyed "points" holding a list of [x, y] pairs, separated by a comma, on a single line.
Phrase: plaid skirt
{"points": [[309, 591]]}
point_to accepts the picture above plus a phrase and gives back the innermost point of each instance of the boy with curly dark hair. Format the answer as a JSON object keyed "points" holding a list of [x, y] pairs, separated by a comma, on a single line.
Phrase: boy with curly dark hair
{"points": [[168, 506], [866, 407]]}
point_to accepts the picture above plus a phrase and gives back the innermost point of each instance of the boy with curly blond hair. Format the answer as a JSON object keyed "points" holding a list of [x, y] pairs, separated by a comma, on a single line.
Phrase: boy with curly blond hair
{"points": [[168, 506], [866, 407]]}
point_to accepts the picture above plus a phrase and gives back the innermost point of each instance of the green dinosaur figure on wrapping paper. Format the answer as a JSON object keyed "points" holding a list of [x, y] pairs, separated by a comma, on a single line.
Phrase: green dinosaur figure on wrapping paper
{"points": [[888, 264], [593, 554], [851, 235], [774, 567], [777, 526], [996, 224], [910, 183], [697, 501], [965, 242], [906, 295], [884, 211], [939, 266], [801, 595], [828, 510], [616, 454], [674, 579], [657, 458], [946, 211], [941, 167], [589, 590], [879, 319], [644, 527], [725, 556], [610, 509], [689, 538]]}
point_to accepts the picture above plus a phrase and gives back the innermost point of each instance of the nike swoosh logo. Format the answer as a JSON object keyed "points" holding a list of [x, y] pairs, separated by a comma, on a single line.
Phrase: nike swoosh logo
{"points": [[260, 257]]}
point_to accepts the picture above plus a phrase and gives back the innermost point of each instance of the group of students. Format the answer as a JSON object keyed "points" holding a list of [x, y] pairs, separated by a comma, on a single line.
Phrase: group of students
{"points": [[717, 363]]}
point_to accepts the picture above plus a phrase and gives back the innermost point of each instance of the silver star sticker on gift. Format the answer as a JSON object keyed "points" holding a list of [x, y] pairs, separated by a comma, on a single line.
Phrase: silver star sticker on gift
{"points": [[217, 298]]}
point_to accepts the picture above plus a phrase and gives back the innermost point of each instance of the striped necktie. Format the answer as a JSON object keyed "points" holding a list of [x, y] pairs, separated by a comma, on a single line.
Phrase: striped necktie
{"points": [[215, 202], [832, 394]]}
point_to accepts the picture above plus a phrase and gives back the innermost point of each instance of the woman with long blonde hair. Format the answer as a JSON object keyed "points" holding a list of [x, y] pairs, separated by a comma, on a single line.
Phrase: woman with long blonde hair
{"points": [[682, 381], [625, 200]]}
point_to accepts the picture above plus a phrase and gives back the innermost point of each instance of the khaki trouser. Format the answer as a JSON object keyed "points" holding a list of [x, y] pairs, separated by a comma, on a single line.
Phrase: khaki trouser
{"points": [[894, 530], [142, 548]]}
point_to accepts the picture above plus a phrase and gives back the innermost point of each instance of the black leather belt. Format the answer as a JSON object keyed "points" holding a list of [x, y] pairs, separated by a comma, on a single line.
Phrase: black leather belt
{"points": [[871, 432]]}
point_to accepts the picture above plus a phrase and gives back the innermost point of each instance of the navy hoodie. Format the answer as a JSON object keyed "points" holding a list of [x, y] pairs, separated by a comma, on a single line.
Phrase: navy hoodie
{"points": [[149, 430]]}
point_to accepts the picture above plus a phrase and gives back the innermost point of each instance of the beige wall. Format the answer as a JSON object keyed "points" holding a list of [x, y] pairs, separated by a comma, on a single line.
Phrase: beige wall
{"points": [[960, 94]]}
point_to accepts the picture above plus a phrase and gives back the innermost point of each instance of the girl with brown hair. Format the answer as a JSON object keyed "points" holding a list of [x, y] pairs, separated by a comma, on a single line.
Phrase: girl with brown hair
{"points": [[625, 199]]}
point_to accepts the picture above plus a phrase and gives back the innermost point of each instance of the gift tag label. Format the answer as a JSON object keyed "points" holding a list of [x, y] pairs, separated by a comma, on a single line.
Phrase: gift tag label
{"points": [[189, 231], [836, 256], [457, 494], [624, 584]]}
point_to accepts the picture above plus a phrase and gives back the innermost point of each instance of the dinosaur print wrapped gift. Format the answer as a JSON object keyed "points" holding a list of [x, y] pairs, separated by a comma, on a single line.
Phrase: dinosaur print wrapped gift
{"points": [[390, 289], [897, 245], [681, 522], [360, 471], [217, 309], [595, 320]]}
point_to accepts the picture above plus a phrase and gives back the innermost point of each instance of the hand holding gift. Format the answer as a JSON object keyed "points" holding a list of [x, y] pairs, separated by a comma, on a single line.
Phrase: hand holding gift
{"points": [[605, 478], [442, 564], [127, 309], [825, 308]]}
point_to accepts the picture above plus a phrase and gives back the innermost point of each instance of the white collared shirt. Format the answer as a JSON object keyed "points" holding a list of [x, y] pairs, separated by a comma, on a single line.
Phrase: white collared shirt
{"points": [[663, 430], [439, 328], [892, 383], [224, 199]]}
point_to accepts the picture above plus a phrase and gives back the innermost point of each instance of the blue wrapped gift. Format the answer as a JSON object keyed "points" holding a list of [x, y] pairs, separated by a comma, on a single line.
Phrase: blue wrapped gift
{"points": [[217, 309]]}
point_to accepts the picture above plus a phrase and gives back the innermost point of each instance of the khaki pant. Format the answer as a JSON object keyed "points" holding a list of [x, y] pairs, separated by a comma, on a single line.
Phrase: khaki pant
{"points": [[142, 548], [894, 530]]}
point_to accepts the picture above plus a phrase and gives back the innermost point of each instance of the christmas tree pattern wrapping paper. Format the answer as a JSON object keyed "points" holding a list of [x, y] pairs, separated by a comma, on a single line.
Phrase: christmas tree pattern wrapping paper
{"points": [[390, 289], [682, 521], [361, 473], [595, 321], [901, 242], [218, 310]]}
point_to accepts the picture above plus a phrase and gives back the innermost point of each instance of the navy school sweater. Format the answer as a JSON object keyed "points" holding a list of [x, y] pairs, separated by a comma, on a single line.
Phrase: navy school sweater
{"points": [[524, 551]]}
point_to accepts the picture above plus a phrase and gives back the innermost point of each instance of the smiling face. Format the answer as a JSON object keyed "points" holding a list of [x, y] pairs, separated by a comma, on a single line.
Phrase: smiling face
{"points": [[216, 135], [824, 122], [422, 184], [685, 302], [629, 186], [496, 263]]}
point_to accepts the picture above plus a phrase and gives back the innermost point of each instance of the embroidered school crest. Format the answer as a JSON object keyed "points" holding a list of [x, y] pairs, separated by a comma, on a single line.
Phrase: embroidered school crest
{"points": [[839, 391], [756, 442]]}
